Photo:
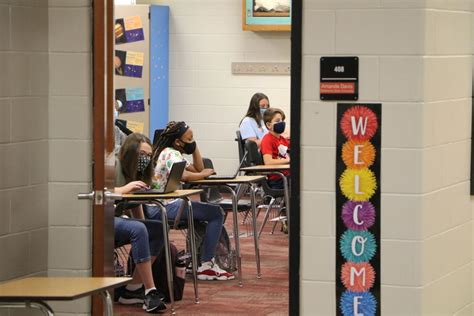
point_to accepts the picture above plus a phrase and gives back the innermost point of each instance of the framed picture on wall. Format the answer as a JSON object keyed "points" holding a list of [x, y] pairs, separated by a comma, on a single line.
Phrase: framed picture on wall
{"points": [[266, 15]]}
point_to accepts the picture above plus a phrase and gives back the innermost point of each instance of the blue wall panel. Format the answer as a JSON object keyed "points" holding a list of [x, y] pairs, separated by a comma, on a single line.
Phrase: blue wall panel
{"points": [[159, 67]]}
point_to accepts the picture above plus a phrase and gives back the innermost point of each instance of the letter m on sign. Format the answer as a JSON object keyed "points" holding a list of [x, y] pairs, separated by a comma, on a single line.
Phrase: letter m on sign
{"points": [[355, 273]]}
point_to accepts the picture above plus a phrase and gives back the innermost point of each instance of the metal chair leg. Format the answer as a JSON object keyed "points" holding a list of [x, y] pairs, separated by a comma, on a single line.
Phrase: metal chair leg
{"points": [[169, 273], [42, 306], [193, 249], [254, 225], [276, 222], [236, 232], [245, 217], [273, 228], [267, 214]]}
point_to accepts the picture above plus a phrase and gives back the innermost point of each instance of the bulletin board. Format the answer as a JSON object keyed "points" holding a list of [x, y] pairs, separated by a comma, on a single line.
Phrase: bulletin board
{"points": [[132, 59]]}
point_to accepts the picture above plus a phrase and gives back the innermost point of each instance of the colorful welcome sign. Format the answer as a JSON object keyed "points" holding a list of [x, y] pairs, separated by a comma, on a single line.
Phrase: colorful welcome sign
{"points": [[358, 209]]}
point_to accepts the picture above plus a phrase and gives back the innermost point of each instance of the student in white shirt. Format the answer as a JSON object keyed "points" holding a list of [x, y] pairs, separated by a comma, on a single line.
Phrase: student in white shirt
{"points": [[252, 127]]}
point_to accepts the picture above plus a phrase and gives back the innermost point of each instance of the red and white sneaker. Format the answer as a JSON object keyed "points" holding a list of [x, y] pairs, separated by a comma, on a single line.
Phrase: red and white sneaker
{"points": [[209, 271]]}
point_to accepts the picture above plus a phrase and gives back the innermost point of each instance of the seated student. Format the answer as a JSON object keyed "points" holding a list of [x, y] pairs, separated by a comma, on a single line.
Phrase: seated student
{"points": [[274, 147], [134, 171], [177, 139], [251, 126], [119, 134]]}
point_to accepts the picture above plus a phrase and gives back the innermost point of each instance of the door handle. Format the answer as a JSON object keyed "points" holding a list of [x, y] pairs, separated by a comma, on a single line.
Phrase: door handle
{"points": [[98, 196], [86, 196]]}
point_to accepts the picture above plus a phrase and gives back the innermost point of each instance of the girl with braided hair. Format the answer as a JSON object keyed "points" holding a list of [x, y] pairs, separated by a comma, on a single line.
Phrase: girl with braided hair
{"points": [[178, 139]]}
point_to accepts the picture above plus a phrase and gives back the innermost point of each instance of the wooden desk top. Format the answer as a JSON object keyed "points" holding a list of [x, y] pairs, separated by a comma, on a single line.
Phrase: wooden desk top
{"points": [[56, 289], [236, 180], [266, 168], [172, 195]]}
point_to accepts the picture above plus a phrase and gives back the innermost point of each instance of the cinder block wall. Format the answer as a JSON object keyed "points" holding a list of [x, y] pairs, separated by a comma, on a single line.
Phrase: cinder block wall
{"points": [[70, 143], [24, 154], [415, 59]]}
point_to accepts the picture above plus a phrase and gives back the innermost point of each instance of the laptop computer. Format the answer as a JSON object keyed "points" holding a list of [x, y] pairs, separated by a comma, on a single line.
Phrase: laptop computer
{"points": [[228, 177], [173, 183]]}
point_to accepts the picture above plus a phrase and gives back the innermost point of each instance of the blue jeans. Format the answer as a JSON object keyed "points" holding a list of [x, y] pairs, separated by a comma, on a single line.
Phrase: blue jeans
{"points": [[204, 212], [146, 237]]}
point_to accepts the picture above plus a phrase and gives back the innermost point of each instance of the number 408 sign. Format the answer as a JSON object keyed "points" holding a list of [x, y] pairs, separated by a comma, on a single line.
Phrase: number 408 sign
{"points": [[339, 78]]}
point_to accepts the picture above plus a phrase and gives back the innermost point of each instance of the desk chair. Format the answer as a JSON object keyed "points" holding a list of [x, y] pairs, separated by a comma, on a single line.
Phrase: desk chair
{"points": [[122, 125], [213, 195], [156, 136], [122, 261], [241, 147], [254, 158]]}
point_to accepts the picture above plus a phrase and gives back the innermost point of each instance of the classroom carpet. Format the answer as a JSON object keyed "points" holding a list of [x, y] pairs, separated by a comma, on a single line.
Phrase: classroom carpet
{"points": [[266, 296]]}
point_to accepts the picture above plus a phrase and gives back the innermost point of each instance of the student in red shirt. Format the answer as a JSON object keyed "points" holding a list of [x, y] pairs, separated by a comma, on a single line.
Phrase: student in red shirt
{"points": [[274, 146]]}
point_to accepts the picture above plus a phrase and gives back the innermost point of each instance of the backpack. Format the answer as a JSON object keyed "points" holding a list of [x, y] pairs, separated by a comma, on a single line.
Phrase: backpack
{"points": [[160, 277], [225, 257]]}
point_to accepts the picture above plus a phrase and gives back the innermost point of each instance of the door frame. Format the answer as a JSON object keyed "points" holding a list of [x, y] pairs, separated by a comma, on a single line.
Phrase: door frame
{"points": [[102, 143], [103, 51], [295, 110]]}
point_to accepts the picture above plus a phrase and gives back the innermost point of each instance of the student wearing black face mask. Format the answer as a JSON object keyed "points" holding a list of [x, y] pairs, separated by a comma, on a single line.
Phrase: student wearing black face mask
{"points": [[275, 147], [134, 171], [178, 139]]}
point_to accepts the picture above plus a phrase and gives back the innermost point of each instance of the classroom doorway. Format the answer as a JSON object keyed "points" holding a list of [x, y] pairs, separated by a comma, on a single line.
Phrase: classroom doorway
{"points": [[103, 70]]}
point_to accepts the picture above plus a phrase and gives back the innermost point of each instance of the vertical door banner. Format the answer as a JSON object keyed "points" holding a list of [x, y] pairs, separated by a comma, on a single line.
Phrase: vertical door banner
{"points": [[129, 64], [358, 157], [129, 29], [130, 100]]}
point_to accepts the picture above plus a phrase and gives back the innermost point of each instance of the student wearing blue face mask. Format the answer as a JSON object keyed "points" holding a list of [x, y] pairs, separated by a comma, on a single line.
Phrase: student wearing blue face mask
{"points": [[252, 126], [274, 146]]}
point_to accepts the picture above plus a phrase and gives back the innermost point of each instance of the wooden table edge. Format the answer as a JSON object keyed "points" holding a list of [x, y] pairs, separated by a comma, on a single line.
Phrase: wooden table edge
{"points": [[36, 298], [255, 178], [263, 168], [172, 195]]}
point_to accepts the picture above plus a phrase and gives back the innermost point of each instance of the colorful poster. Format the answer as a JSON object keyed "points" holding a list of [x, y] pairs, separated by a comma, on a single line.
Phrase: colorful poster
{"points": [[358, 209], [128, 29], [129, 64], [130, 100]]}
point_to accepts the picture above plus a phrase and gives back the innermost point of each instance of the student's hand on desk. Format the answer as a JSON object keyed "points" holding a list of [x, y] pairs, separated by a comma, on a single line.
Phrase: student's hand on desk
{"points": [[131, 186]]}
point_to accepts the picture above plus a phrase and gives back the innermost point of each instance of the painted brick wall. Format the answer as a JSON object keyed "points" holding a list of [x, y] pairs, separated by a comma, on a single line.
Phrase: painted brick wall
{"points": [[415, 59], [70, 145], [23, 138]]}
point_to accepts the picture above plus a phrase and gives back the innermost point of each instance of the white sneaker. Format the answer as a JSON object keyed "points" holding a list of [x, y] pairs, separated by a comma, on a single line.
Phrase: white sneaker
{"points": [[211, 271]]}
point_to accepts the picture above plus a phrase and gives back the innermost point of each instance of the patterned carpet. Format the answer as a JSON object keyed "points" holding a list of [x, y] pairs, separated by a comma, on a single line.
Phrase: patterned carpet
{"points": [[266, 296]]}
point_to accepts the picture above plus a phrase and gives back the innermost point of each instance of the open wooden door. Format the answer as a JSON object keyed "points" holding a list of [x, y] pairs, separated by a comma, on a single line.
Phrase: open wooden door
{"points": [[103, 143]]}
